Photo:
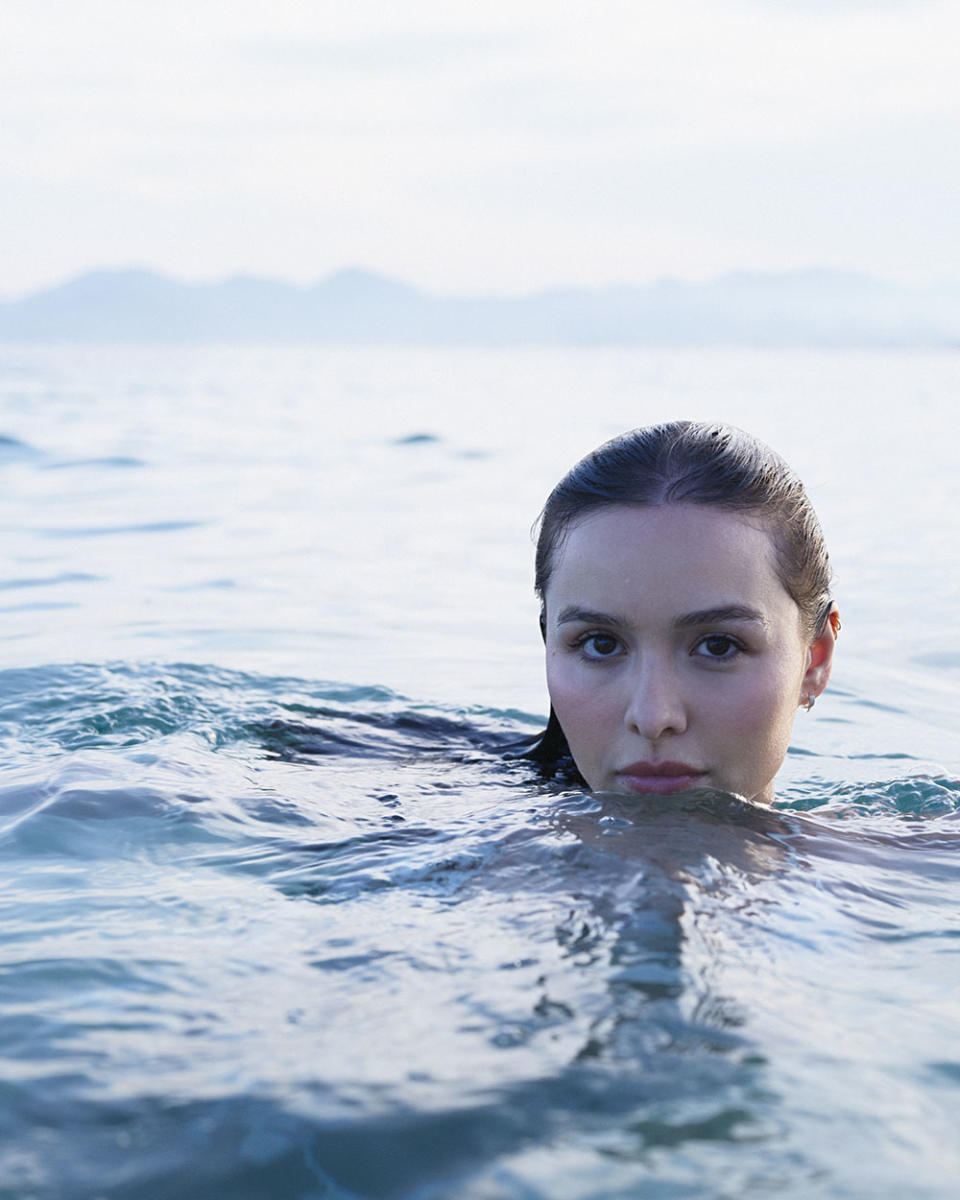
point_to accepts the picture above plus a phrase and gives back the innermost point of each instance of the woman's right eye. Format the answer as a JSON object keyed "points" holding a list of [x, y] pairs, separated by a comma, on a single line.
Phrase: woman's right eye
{"points": [[597, 646]]}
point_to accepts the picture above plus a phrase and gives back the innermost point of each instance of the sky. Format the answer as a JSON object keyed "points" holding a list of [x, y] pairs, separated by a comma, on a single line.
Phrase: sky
{"points": [[494, 148]]}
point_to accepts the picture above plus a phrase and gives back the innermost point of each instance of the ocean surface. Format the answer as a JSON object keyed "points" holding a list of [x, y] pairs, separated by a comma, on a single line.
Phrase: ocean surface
{"points": [[283, 915]]}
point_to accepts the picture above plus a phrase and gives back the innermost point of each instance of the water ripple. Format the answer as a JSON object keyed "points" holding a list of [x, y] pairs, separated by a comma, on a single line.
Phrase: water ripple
{"points": [[322, 940]]}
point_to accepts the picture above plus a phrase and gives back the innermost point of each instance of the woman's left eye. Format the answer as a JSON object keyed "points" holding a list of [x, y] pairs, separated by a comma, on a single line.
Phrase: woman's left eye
{"points": [[717, 646]]}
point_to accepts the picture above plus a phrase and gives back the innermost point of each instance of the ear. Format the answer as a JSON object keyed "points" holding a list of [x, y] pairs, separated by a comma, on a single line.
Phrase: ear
{"points": [[820, 658]]}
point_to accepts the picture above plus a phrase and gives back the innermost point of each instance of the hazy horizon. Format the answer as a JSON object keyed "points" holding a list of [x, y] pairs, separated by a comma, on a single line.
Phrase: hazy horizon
{"points": [[372, 272], [814, 308]]}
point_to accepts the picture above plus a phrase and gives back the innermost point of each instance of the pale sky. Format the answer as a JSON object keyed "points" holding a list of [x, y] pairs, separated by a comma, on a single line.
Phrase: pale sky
{"points": [[494, 147]]}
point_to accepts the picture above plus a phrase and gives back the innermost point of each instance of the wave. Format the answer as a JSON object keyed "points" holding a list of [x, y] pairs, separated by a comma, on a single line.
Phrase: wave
{"points": [[264, 935]]}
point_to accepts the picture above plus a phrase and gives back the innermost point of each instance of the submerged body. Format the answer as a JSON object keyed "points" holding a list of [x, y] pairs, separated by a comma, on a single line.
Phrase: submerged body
{"points": [[310, 955]]}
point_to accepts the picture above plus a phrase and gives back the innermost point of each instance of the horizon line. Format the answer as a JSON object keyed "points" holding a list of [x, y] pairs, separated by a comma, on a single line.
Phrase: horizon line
{"points": [[374, 274]]}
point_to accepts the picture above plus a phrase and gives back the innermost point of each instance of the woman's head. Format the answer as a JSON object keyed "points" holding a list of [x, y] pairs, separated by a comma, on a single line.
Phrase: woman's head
{"points": [[685, 600]]}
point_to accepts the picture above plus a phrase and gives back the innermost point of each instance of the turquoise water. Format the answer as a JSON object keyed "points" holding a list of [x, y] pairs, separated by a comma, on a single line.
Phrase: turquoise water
{"points": [[282, 916]]}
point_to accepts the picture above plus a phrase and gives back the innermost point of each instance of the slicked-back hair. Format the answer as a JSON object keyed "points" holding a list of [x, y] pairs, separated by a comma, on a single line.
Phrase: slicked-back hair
{"points": [[689, 462]]}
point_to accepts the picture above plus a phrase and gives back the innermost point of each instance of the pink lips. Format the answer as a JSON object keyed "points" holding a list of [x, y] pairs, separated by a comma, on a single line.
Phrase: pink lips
{"points": [[658, 778]]}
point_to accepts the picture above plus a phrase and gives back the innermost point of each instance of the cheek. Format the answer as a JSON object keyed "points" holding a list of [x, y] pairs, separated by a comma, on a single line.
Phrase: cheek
{"points": [[759, 721], [566, 695], [756, 709], [585, 710]]}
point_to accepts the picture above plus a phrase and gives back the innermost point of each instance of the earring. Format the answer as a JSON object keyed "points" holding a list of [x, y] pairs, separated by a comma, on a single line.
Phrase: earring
{"points": [[809, 702]]}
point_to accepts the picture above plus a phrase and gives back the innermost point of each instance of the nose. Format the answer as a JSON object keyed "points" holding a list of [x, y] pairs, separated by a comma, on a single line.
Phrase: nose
{"points": [[656, 707]]}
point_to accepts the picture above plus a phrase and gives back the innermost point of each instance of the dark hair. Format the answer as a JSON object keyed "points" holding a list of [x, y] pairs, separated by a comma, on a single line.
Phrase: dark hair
{"points": [[689, 462], [686, 462]]}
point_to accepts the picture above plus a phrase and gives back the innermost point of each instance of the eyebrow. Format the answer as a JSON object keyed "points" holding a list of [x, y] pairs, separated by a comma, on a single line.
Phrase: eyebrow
{"points": [[720, 615], [703, 616]]}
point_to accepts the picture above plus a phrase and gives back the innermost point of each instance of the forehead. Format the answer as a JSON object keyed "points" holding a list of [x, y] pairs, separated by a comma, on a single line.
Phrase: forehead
{"points": [[681, 557]]}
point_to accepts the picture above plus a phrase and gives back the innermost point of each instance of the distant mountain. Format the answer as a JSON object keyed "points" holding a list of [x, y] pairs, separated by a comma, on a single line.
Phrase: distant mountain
{"points": [[824, 308]]}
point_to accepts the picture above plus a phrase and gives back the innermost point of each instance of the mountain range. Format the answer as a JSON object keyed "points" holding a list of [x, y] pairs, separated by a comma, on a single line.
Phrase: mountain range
{"points": [[816, 307]]}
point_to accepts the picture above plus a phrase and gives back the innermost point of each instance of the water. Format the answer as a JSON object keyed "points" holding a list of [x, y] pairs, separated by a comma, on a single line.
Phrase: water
{"points": [[282, 914]]}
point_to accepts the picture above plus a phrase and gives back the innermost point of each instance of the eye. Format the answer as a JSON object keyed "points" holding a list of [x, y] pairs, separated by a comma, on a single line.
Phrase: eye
{"points": [[597, 646], [717, 646]]}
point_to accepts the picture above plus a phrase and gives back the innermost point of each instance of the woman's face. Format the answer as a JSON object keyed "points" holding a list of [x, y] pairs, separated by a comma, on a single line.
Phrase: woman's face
{"points": [[675, 658]]}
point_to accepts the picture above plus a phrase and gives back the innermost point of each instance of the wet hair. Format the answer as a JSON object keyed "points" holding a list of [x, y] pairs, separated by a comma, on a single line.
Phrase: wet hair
{"points": [[687, 462]]}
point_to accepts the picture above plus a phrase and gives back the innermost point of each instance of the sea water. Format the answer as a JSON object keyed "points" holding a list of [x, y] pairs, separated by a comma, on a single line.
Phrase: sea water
{"points": [[283, 915]]}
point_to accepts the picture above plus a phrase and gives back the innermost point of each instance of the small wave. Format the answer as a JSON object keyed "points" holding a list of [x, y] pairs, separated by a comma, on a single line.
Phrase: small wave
{"points": [[39, 606], [84, 706], [12, 448], [84, 531], [416, 439], [49, 580], [118, 461], [911, 796], [376, 734]]}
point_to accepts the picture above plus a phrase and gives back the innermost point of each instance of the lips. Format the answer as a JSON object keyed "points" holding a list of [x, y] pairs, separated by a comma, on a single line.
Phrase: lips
{"points": [[659, 778]]}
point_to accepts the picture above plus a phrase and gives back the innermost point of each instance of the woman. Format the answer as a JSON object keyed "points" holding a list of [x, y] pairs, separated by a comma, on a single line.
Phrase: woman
{"points": [[686, 612]]}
